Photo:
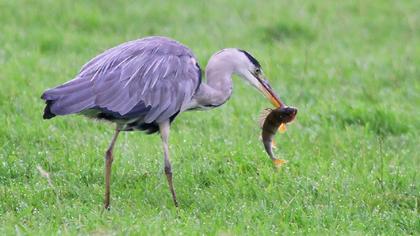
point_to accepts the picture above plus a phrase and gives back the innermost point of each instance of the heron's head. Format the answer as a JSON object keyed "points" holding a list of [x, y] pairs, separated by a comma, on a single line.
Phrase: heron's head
{"points": [[240, 62], [250, 69]]}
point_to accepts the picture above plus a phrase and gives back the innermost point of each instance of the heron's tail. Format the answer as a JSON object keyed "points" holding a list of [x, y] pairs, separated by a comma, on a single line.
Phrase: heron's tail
{"points": [[47, 110], [69, 98]]}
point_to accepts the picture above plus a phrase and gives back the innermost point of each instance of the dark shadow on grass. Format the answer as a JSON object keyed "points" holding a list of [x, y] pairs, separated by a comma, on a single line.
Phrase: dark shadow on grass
{"points": [[49, 43], [284, 31], [380, 121]]}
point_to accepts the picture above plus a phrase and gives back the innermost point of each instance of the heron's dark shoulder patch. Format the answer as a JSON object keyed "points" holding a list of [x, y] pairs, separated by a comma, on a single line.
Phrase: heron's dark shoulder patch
{"points": [[200, 76], [251, 58]]}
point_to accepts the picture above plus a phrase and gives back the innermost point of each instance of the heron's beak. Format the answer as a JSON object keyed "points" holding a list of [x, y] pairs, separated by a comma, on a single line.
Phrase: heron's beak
{"points": [[266, 89]]}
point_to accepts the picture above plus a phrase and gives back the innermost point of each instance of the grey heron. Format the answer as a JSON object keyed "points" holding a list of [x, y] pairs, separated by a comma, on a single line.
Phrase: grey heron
{"points": [[144, 84]]}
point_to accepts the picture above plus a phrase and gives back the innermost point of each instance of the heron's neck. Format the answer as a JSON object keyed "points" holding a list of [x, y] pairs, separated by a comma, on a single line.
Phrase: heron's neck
{"points": [[218, 86]]}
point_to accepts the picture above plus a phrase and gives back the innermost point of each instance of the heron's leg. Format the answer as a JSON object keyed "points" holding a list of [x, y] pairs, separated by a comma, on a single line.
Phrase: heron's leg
{"points": [[108, 163], [164, 134]]}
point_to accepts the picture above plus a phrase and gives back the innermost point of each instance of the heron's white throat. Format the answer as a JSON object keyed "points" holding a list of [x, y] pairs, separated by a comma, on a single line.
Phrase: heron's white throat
{"points": [[217, 87]]}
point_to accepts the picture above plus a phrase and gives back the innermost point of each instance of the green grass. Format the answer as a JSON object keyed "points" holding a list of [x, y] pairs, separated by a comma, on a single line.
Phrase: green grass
{"points": [[351, 67]]}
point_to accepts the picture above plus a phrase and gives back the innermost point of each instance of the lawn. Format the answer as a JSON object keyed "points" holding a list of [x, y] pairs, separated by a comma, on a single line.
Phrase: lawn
{"points": [[351, 67]]}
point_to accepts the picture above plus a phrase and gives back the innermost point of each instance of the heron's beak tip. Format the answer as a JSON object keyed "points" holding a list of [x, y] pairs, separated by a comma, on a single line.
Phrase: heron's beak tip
{"points": [[269, 93]]}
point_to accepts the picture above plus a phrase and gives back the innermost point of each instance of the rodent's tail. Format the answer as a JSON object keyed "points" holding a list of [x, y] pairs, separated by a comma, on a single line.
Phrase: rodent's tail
{"points": [[268, 146]]}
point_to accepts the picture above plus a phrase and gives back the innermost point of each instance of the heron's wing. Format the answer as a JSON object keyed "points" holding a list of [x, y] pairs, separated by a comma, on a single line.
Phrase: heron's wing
{"points": [[152, 77]]}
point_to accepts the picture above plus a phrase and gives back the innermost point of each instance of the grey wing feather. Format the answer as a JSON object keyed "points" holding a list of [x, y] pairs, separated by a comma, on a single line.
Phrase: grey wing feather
{"points": [[157, 72]]}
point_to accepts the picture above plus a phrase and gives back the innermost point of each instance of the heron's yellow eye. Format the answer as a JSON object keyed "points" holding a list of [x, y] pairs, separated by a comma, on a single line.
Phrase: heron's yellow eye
{"points": [[257, 71]]}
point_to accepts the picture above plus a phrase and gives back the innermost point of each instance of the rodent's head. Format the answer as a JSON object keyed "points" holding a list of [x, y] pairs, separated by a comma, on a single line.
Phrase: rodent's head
{"points": [[286, 114]]}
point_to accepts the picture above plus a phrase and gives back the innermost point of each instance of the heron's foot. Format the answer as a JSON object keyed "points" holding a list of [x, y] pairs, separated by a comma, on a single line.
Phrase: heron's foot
{"points": [[107, 206], [278, 163], [176, 203], [168, 173]]}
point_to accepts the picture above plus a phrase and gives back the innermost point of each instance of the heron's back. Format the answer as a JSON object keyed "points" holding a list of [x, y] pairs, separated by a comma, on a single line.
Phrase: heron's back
{"points": [[147, 80]]}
